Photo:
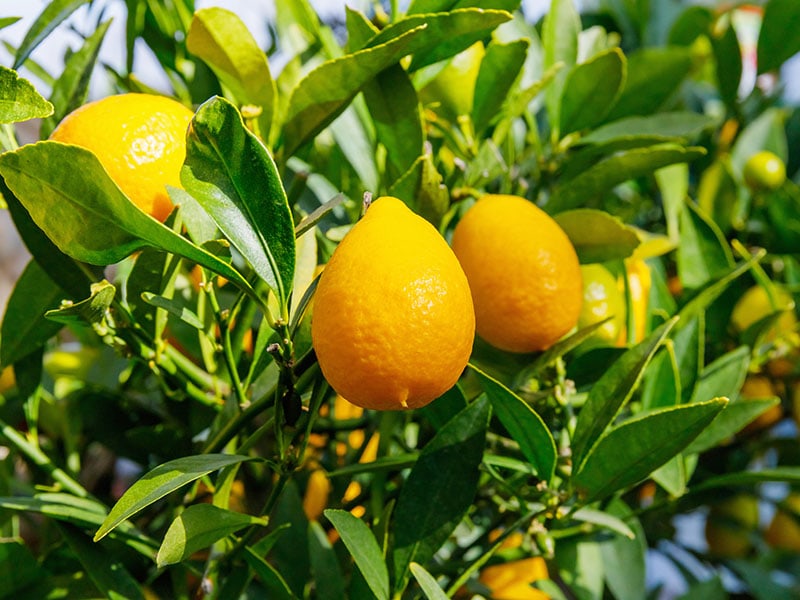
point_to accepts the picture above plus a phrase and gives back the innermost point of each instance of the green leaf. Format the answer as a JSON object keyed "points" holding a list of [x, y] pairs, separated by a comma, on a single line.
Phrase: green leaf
{"points": [[629, 452], [394, 107], [440, 488], [777, 474], [55, 13], [198, 527], [161, 481], [104, 568], [324, 565], [444, 34], [596, 235], [729, 62], [624, 555], [703, 253], [592, 183], [73, 200], [654, 75], [560, 30], [352, 134], [421, 187], [779, 38], [220, 38], [71, 88], [580, 567], [427, 583], [523, 423], [19, 569], [765, 132], [605, 520], [611, 392], [25, 328], [60, 506], [272, 580], [230, 172], [737, 415], [19, 100], [500, 69], [364, 549], [652, 129], [326, 91], [91, 310], [724, 376], [691, 24], [429, 6], [591, 89]]}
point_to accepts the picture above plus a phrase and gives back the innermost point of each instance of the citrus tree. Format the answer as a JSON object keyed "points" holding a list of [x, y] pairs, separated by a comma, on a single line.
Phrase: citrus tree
{"points": [[432, 302]]}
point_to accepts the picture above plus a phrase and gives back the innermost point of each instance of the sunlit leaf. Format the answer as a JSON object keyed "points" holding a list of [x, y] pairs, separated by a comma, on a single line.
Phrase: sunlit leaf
{"points": [[597, 235], [55, 13], [591, 89], [19, 100], [560, 40]]}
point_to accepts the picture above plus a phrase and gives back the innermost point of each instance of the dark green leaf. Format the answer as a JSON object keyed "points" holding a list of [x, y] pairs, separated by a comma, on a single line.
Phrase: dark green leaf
{"points": [[591, 89], [73, 200], [270, 577], [175, 308], [703, 253], [596, 235], [691, 24], [624, 556], [364, 549], [25, 328], [762, 582], [729, 63], [427, 583], [230, 172], [220, 38], [430, 6], [55, 13], [72, 86], [738, 414], [91, 310], [445, 34], [60, 506], [161, 481], [777, 474], [654, 75], [580, 566], [612, 391], [524, 425], [710, 589], [724, 376], [592, 183], [440, 488], [652, 129], [422, 189], [324, 565], [198, 527], [394, 107], [18, 568], [779, 38], [327, 90], [103, 567], [560, 30], [19, 100], [500, 68], [629, 452]]}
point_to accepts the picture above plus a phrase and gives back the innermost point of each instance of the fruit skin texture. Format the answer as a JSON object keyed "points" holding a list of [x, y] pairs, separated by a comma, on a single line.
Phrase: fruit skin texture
{"points": [[140, 140], [729, 526], [393, 322], [764, 171], [523, 272], [783, 531], [602, 298]]}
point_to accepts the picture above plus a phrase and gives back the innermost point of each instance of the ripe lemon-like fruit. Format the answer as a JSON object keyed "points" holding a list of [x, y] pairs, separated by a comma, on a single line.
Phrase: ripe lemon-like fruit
{"points": [[140, 140], [764, 171], [393, 321], [602, 299], [730, 525], [755, 304], [523, 272], [784, 530], [512, 580], [640, 281]]}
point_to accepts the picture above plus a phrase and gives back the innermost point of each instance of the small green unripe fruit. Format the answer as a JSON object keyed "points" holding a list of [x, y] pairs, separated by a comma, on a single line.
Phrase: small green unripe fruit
{"points": [[764, 171]]}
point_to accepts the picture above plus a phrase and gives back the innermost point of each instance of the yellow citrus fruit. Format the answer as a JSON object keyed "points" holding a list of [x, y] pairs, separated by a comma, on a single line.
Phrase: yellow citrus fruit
{"points": [[523, 272], [764, 171], [755, 304], [393, 321], [318, 490], [784, 530], [140, 140], [7, 379], [759, 387], [602, 299], [640, 281], [730, 525], [512, 580]]}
